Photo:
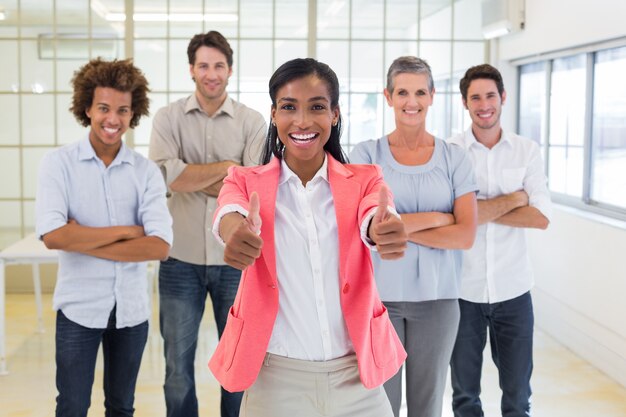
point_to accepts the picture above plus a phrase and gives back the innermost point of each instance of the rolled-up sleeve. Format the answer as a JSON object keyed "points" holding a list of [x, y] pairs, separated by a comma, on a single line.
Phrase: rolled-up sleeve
{"points": [[165, 147], [536, 184], [153, 212], [51, 204], [255, 140]]}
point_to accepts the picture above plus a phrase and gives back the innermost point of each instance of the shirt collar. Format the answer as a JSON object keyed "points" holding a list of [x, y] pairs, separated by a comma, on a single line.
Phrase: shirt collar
{"points": [[286, 174], [227, 106], [469, 139], [86, 152]]}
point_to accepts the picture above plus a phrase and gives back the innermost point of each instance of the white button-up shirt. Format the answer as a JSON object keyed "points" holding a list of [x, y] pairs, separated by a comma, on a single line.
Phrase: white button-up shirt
{"points": [[310, 323], [497, 267]]}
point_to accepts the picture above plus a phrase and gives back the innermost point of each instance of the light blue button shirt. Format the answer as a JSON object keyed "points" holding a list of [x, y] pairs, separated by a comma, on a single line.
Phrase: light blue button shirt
{"points": [[75, 184], [423, 273]]}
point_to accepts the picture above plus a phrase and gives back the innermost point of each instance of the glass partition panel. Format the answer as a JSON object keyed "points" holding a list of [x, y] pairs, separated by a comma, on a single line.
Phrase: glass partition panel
{"points": [[10, 173]]}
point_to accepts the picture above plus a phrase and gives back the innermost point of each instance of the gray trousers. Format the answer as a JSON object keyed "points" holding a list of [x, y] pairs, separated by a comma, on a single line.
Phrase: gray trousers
{"points": [[427, 330]]}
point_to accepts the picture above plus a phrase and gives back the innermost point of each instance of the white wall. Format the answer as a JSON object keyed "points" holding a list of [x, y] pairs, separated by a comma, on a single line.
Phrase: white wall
{"points": [[552, 25], [580, 288], [579, 262]]}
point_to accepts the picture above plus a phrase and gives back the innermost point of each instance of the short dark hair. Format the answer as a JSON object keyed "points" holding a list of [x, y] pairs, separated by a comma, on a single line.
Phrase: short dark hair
{"points": [[483, 71], [411, 65], [121, 75], [293, 70], [212, 39]]}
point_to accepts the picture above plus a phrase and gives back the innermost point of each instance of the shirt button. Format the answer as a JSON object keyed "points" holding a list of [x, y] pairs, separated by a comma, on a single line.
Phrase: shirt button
{"points": [[346, 288]]}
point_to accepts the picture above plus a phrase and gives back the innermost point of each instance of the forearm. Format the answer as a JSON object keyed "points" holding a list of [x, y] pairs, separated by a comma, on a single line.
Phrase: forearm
{"points": [[141, 249], [494, 208], [229, 223], [213, 190], [456, 236], [77, 238], [415, 222], [198, 177], [526, 216], [459, 235]]}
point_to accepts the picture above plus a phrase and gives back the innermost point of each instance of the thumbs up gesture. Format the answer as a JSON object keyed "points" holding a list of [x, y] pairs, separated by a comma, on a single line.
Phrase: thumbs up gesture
{"points": [[241, 235], [386, 230], [254, 218]]}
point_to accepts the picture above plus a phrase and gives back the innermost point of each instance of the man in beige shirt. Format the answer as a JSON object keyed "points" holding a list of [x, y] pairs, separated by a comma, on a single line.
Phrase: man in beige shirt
{"points": [[194, 140]]}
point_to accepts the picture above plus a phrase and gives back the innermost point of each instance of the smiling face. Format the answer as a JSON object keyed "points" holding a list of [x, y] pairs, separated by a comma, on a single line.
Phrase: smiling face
{"points": [[484, 104], [410, 99], [210, 72], [110, 114], [304, 118]]}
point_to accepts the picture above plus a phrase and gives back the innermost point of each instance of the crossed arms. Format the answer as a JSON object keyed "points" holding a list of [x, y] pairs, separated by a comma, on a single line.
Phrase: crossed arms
{"points": [[455, 230], [511, 210], [458, 230], [207, 178], [116, 243]]}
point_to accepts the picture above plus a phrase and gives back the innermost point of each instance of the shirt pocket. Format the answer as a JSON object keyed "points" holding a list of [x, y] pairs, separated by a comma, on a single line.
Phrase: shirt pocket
{"points": [[512, 179]]}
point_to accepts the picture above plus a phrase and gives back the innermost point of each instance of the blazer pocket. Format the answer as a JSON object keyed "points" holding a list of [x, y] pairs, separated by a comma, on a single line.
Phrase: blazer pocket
{"points": [[383, 349], [229, 340]]}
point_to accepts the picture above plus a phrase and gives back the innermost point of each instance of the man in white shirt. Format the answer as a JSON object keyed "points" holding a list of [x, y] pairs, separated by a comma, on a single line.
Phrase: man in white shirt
{"points": [[497, 277]]}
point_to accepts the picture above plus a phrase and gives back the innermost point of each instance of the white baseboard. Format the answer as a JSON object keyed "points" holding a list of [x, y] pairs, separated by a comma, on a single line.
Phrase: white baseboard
{"points": [[602, 347]]}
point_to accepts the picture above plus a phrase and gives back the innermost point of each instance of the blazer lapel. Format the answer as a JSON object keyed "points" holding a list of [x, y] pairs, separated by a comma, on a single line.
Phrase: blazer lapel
{"points": [[265, 183], [346, 197]]}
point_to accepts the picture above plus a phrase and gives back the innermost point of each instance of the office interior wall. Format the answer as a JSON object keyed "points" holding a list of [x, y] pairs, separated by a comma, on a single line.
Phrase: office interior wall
{"points": [[47, 40], [578, 261]]}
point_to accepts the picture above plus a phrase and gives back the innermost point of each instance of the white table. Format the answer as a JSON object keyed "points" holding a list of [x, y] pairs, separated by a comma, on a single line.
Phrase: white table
{"points": [[29, 250]]}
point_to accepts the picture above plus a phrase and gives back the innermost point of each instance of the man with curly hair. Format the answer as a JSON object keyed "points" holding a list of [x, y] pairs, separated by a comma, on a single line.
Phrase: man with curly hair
{"points": [[103, 206], [194, 141]]}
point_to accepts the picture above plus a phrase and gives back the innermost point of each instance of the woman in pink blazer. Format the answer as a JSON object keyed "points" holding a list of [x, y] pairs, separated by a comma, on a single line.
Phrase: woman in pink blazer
{"points": [[307, 334]]}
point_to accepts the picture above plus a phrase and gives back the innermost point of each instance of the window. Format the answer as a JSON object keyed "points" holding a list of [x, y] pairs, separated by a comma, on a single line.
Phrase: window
{"points": [[608, 136], [532, 99], [567, 125], [47, 40], [586, 127]]}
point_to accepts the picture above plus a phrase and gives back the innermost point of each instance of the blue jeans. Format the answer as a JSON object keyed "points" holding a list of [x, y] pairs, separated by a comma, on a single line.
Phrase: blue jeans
{"points": [[183, 289], [510, 325], [76, 352]]}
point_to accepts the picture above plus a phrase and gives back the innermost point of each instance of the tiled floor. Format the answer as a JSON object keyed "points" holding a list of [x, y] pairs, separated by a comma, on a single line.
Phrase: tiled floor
{"points": [[564, 385]]}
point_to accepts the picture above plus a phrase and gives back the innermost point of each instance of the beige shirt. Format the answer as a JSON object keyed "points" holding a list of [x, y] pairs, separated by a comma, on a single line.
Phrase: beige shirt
{"points": [[182, 133]]}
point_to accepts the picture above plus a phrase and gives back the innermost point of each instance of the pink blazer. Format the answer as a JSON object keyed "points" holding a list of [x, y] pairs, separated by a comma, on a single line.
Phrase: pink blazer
{"points": [[239, 355]]}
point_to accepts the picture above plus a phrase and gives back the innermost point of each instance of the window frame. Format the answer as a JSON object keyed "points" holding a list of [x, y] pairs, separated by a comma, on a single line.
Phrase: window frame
{"points": [[586, 202]]}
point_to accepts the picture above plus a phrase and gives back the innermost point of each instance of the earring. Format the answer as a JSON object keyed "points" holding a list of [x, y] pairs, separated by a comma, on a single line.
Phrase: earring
{"points": [[335, 123], [273, 123]]}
